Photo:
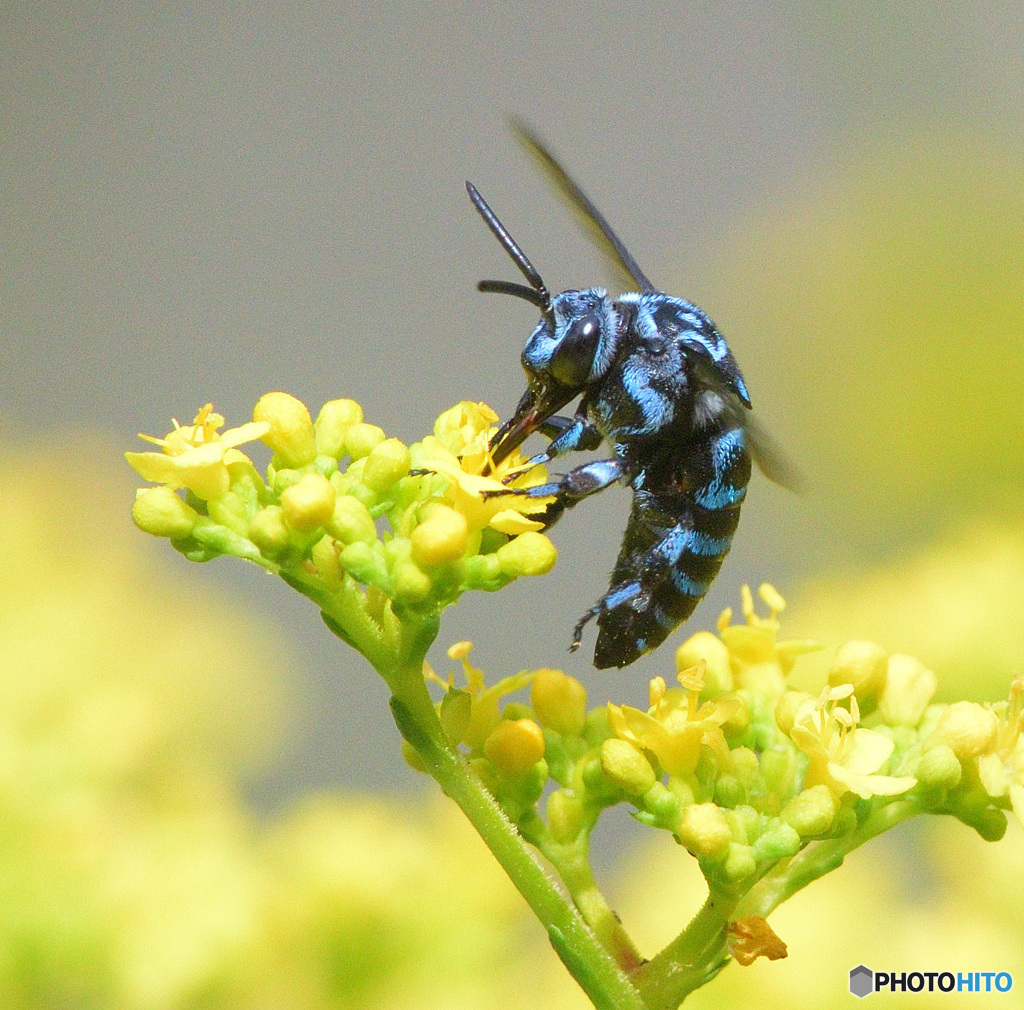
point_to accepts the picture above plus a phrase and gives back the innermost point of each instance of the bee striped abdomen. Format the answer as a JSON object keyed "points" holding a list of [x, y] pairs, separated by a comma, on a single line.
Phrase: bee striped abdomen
{"points": [[665, 568]]}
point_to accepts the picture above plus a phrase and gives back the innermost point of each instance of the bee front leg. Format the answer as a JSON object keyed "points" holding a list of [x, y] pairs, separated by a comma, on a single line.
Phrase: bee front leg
{"points": [[572, 487], [566, 436]]}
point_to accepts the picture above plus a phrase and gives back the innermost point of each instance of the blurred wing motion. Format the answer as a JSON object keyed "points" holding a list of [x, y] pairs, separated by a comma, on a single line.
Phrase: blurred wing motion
{"points": [[592, 220]]}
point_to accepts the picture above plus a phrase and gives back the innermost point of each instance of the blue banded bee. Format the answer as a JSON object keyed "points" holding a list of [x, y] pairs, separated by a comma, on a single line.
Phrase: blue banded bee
{"points": [[657, 382]]}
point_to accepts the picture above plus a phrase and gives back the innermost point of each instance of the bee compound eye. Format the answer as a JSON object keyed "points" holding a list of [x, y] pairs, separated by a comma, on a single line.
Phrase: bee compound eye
{"points": [[575, 354]]}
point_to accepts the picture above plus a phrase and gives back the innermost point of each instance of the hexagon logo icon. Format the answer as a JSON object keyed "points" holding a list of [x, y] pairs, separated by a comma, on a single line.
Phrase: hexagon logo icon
{"points": [[862, 981]]}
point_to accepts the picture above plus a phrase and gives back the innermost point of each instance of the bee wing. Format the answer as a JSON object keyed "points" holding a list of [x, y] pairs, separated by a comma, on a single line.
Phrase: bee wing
{"points": [[771, 459], [593, 221]]}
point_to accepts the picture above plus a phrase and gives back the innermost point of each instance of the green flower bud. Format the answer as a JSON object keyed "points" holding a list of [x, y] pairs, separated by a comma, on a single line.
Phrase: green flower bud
{"points": [[334, 419], [909, 689], [565, 816], [862, 664], [309, 503], [386, 464], [705, 831], [364, 563], [740, 863], [515, 746], [412, 584], [527, 554], [291, 428], [456, 708], [779, 840], [269, 532], [361, 439], [939, 768], [351, 521], [559, 701], [778, 768], [729, 792], [483, 571], [710, 648], [626, 766], [967, 729], [324, 555], [229, 510], [159, 511], [441, 538], [664, 805], [811, 812]]}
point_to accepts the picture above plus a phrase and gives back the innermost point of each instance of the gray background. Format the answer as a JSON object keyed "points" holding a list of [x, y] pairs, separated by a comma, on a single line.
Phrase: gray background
{"points": [[211, 201]]}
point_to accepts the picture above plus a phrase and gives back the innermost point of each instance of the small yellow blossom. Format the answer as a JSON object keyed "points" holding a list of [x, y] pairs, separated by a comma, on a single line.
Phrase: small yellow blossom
{"points": [[759, 660], [484, 714], [458, 450], [1002, 769], [676, 727], [843, 756], [195, 456]]}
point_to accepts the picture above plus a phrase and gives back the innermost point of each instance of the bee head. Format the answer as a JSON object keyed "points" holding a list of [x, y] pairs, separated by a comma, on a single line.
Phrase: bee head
{"points": [[574, 346]]}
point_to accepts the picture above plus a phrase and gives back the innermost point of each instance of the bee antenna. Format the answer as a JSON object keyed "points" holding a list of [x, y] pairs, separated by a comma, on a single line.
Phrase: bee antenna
{"points": [[511, 288], [538, 291]]}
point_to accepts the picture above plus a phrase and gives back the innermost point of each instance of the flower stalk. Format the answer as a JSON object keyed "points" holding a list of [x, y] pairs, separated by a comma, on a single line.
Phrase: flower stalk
{"points": [[767, 788]]}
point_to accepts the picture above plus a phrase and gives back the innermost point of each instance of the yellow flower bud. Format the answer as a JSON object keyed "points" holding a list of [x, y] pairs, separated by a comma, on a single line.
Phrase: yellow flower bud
{"points": [[515, 746], [351, 521], [361, 439], [791, 706], [710, 648], [862, 664], [334, 419], [269, 532], [441, 538], [291, 428], [386, 464], [565, 816], [909, 689], [627, 766], [527, 554], [158, 510], [967, 729], [811, 812], [705, 831], [559, 701], [309, 503]]}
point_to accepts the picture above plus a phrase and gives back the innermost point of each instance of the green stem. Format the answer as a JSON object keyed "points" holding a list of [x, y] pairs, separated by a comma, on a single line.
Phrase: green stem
{"points": [[821, 858], [692, 958], [593, 967], [573, 867]]}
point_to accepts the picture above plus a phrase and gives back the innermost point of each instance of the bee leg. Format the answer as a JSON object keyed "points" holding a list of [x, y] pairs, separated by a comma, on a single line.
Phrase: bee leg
{"points": [[566, 436], [615, 597]]}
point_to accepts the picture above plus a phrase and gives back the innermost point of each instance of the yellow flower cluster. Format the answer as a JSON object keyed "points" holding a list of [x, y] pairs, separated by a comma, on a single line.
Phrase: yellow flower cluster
{"points": [[342, 505], [744, 771]]}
